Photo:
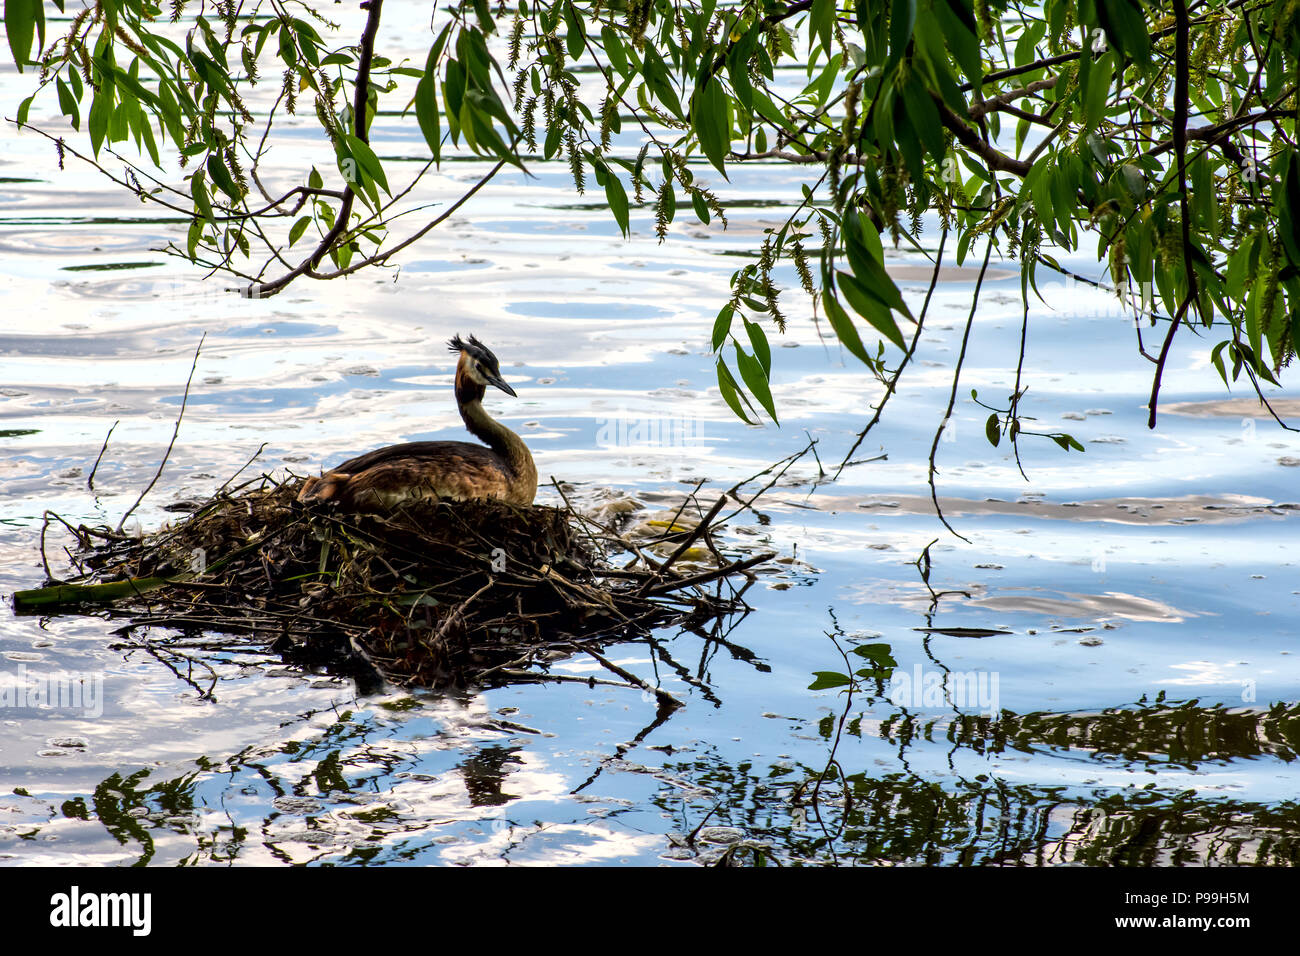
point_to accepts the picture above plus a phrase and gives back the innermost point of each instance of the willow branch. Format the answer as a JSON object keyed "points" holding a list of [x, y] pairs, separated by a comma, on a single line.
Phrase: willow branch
{"points": [[175, 431], [995, 159], [1003, 100], [1181, 96], [360, 98], [892, 384], [952, 397]]}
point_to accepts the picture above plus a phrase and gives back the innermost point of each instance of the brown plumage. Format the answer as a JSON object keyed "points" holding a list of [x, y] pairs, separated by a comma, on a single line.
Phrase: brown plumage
{"points": [[458, 470]]}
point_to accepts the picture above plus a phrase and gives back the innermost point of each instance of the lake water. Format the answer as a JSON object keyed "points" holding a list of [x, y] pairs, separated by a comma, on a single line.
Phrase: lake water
{"points": [[1123, 620]]}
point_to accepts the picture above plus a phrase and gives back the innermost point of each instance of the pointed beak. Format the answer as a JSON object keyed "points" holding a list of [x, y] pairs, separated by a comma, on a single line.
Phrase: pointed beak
{"points": [[500, 383]]}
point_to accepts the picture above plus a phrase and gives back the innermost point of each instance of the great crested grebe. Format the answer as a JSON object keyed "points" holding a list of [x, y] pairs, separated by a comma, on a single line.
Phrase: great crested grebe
{"points": [[458, 470]]}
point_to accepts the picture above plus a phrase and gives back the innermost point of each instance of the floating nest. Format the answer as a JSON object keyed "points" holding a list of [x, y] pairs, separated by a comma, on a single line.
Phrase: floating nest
{"points": [[433, 593]]}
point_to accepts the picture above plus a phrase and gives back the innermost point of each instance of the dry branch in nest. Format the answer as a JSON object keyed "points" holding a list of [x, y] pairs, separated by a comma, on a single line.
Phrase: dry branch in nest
{"points": [[434, 593]]}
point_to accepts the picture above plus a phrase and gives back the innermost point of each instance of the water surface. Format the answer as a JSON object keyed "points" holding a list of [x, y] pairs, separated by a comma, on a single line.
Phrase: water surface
{"points": [[1129, 611]]}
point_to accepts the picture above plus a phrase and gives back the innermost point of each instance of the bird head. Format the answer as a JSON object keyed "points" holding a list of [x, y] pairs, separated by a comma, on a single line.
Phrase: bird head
{"points": [[478, 364]]}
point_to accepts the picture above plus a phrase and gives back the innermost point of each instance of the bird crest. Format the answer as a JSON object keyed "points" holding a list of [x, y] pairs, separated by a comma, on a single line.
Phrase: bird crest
{"points": [[476, 350]]}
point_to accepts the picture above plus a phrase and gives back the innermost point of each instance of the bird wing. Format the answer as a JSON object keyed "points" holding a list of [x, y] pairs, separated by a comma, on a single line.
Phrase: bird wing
{"points": [[477, 456]]}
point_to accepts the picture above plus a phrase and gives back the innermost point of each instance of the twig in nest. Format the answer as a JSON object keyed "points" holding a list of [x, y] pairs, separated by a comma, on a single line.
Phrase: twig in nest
{"points": [[90, 479], [608, 533], [45, 562], [734, 568], [788, 462], [685, 501], [457, 613], [699, 529], [259, 451]]}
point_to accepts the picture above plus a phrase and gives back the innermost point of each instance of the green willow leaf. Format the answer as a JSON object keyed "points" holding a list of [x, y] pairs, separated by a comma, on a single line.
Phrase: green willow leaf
{"points": [[843, 327], [298, 229], [661, 81], [765, 108], [821, 21], [738, 73], [453, 91], [870, 308], [477, 115], [221, 177], [751, 372], [426, 108], [1026, 45], [614, 50], [701, 207], [616, 195], [711, 124], [762, 350], [364, 155], [483, 11], [1097, 91], [145, 132], [575, 41], [731, 393], [68, 104], [199, 192], [722, 325], [1288, 214], [24, 19], [101, 111], [924, 116], [1125, 24], [194, 235], [957, 20], [866, 257], [902, 20]]}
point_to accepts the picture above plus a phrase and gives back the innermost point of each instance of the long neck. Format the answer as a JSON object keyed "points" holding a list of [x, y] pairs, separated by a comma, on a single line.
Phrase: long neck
{"points": [[469, 398]]}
